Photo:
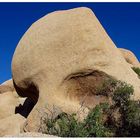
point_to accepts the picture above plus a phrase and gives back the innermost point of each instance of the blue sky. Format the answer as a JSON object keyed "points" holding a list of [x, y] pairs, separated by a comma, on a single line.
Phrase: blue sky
{"points": [[120, 20]]}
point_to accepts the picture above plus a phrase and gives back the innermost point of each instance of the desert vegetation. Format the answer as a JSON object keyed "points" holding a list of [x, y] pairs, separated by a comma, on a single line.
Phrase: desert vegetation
{"points": [[120, 118], [136, 70]]}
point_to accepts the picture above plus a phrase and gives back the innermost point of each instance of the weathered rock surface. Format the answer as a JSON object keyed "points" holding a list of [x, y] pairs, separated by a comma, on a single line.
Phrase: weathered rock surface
{"points": [[10, 122], [130, 57], [7, 86], [8, 99], [11, 125], [58, 48]]}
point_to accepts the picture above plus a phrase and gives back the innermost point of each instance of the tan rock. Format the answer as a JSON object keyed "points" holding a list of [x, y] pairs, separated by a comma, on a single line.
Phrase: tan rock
{"points": [[8, 99], [11, 125], [56, 50], [8, 103], [130, 57], [7, 86]]}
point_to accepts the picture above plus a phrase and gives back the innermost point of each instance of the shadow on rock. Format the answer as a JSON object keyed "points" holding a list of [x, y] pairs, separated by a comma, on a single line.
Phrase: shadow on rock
{"points": [[26, 108]]}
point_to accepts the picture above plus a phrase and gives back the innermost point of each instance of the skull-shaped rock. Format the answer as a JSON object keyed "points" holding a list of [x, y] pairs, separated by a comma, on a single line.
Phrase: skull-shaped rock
{"points": [[59, 60]]}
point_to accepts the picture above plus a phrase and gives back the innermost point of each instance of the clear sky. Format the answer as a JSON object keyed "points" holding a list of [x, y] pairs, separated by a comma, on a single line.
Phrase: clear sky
{"points": [[120, 20]]}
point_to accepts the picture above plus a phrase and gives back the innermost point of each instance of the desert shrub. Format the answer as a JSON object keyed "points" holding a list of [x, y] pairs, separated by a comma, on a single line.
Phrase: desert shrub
{"points": [[136, 70], [106, 87], [130, 120], [94, 122], [129, 110], [122, 94], [121, 118], [65, 125]]}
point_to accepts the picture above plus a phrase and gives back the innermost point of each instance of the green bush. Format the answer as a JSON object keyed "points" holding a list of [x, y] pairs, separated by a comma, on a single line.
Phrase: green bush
{"points": [[121, 118], [107, 87], [136, 70], [122, 94], [130, 120], [68, 126]]}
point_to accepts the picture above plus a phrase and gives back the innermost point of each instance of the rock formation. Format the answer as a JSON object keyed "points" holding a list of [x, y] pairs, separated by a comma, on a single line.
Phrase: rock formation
{"points": [[10, 122], [130, 57], [8, 99], [59, 48], [11, 125]]}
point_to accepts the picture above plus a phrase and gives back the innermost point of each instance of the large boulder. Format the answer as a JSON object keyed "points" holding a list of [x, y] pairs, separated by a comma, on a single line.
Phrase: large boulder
{"points": [[130, 57], [11, 122], [10, 102], [8, 99], [7, 86], [12, 125], [59, 51]]}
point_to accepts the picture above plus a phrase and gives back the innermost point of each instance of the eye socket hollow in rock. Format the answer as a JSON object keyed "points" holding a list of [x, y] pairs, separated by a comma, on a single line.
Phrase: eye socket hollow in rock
{"points": [[89, 87], [32, 93]]}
